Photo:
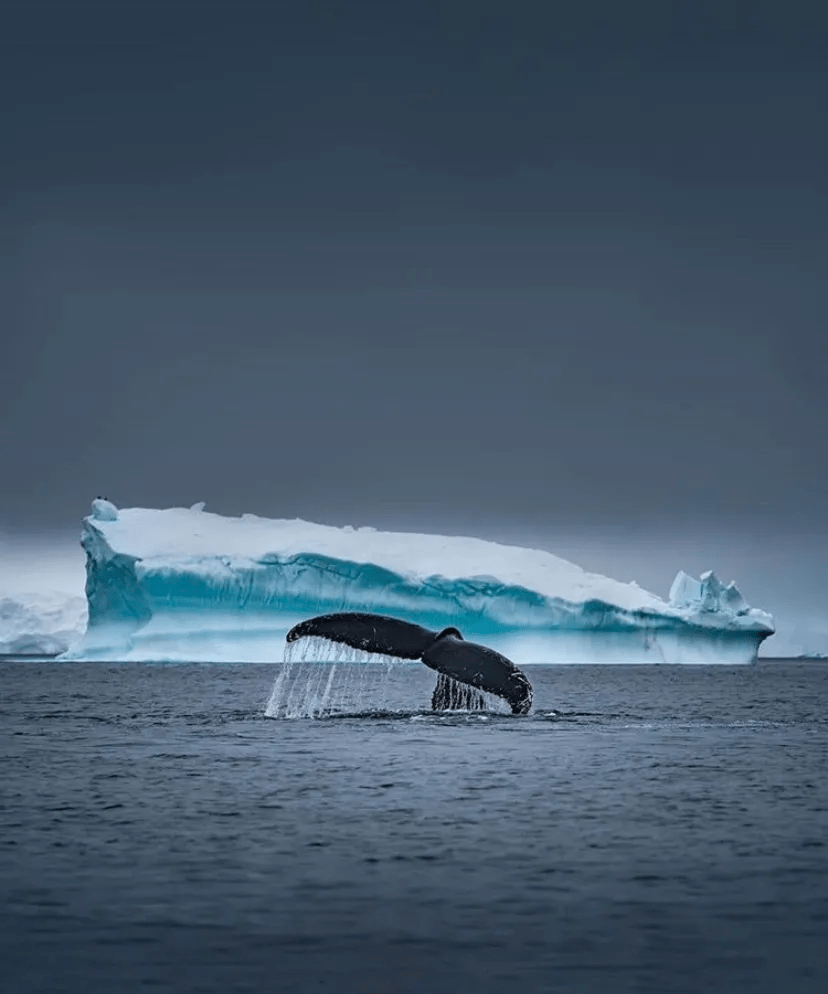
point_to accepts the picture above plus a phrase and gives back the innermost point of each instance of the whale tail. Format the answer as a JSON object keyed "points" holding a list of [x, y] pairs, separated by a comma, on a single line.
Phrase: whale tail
{"points": [[464, 668]]}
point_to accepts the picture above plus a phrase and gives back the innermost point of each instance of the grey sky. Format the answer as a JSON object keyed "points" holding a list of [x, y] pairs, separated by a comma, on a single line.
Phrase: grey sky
{"points": [[495, 268]]}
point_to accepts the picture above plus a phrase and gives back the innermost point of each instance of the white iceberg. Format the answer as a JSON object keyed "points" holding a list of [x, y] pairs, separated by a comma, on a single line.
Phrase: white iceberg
{"points": [[40, 624], [184, 584]]}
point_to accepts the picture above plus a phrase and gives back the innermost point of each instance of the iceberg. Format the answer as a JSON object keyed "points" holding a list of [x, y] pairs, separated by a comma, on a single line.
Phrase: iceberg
{"points": [[40, 624], [185, 584]]}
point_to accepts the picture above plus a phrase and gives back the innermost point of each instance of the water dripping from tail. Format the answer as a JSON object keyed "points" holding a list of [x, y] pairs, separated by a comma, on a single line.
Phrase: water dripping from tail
{"points": [[450, 695], [320, 678]]}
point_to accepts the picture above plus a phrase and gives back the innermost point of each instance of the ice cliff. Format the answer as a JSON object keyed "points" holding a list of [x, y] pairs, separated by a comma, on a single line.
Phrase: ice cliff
{"points": [[182, 584]]}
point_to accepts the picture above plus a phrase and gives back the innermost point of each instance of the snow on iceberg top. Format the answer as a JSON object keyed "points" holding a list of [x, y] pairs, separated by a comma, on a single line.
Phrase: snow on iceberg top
{"points": [[192, 533], [194, 536]]}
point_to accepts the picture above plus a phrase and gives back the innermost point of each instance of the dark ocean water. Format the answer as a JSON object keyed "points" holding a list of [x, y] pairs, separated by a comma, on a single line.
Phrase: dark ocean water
{"points": [[651, 829]]}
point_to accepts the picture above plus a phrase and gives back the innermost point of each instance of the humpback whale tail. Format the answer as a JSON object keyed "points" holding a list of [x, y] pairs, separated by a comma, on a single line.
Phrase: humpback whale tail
{"points": [[462, 666]]}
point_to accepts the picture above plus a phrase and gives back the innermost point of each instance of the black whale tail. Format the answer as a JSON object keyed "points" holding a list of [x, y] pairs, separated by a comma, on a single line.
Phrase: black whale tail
{"points": [[462, 665]]}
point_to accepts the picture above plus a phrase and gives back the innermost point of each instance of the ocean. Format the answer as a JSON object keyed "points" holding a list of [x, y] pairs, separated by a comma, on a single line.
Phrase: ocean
{"points": [[647, 828]]}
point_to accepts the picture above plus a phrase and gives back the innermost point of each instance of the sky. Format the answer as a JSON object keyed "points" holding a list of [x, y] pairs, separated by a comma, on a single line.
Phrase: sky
{"points": [[545, 273]]}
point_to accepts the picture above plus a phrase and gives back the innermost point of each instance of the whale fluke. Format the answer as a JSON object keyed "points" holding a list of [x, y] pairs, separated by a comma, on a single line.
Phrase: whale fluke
{"points": [[369, 632], [481, 667], [447, 652]]}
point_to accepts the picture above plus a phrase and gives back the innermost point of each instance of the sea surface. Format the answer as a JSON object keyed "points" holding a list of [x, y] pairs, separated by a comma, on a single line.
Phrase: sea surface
{"points": [[647, 828]]}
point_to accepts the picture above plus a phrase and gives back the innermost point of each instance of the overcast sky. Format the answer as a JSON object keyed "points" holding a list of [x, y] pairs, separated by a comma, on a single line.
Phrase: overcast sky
{"points": [[538, 271]]}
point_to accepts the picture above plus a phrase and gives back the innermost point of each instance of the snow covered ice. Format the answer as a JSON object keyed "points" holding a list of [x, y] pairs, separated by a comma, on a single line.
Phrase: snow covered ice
{"points": [[41, 624], [182, 583]]}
